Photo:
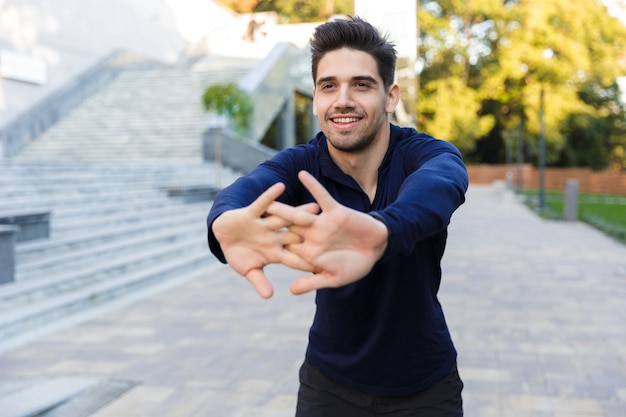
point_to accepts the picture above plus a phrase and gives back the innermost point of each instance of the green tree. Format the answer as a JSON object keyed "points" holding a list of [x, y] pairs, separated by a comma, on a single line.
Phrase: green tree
{"points": [[293, 11], [229, 100], [500, 54], [596, 139], [241, 6]]}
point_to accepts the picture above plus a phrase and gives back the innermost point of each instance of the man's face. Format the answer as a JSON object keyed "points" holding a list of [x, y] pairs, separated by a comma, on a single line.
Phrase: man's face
{"points": [[350, 100]]}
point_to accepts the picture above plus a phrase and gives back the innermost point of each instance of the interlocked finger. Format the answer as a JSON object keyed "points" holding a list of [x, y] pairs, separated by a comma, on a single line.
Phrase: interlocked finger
{"points": [[286, 237], [294, 261], [275, 222], [303, 215], [259, 206]]}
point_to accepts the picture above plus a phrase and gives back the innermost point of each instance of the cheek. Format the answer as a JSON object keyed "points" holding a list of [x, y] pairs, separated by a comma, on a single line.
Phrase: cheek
{"points": [[319, 107]]}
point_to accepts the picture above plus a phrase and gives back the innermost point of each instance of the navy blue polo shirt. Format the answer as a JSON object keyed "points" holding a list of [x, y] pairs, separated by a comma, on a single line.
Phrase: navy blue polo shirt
{"points": [[385, 334]]}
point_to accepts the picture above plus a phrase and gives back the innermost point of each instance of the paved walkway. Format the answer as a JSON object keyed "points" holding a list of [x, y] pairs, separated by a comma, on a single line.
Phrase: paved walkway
{"points": [[537, 310]]}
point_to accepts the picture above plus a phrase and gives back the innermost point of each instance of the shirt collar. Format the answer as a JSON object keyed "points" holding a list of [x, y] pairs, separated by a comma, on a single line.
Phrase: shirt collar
{"points": [[329, 169]]}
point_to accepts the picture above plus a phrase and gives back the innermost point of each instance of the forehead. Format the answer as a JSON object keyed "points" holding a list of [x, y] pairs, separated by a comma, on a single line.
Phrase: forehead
{"points": [[346, 63]]}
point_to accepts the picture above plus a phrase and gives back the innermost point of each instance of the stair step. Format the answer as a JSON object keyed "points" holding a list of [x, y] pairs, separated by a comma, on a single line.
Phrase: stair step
{"points": [[149, 114], [21, 319], [72, 277], [47, 262], [85, 237], [109, 263]]}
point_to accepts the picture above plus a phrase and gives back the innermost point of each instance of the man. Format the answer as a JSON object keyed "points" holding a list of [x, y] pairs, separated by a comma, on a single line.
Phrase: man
{"points": [[363, 208]]}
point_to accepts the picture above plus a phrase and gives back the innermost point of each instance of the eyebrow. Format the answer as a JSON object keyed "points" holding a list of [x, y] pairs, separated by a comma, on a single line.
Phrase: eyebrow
{"points": [[356, 78]]}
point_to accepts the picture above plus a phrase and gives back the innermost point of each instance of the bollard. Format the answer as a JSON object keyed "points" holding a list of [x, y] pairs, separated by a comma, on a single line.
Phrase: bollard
{"points": [[7, 253], [509, 181], [570, 200]]}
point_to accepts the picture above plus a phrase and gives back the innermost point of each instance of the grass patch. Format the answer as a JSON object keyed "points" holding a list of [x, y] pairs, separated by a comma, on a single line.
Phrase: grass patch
{"points": [[607, 213]]}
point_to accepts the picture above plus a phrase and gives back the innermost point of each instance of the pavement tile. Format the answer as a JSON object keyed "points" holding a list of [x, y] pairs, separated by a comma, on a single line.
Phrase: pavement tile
{"points": [[535, 307]]}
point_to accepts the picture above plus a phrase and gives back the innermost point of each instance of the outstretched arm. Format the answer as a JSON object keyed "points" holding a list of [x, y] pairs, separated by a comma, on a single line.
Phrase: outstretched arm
{"points": [[250, 239], [341, 243]]}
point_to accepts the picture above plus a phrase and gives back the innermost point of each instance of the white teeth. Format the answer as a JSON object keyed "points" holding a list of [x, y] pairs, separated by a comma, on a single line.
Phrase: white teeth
{"points": [[345, 119]]}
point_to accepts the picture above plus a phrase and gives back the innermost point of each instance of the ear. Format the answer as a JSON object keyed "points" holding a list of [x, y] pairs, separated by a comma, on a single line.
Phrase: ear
{"points": [[393, 98]]}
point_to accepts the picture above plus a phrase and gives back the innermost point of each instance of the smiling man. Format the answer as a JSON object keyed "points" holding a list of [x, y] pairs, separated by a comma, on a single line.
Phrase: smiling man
{"points": [[363, 208]]}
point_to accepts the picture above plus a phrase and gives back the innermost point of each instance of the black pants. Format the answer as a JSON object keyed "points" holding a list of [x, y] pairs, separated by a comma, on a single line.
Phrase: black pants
{"points": [[320, 396]]}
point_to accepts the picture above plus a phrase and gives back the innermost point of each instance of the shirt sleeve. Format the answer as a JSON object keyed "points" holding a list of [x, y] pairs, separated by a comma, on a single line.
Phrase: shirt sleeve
{"points": [[283, 167], [237, 195], [433, 189]]}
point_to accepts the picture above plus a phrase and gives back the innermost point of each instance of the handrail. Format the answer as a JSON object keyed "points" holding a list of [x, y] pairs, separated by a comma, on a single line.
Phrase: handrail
{"points": [[272, 82]]}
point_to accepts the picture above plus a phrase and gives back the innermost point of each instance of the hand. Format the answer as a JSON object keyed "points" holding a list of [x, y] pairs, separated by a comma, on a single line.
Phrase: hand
{"points": [[341, 243], [251, 239]]}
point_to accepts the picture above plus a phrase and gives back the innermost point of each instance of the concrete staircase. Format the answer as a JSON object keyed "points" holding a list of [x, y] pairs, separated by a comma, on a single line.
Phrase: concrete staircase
{"points": [[104, 171], [141, 115], [114, 231]]}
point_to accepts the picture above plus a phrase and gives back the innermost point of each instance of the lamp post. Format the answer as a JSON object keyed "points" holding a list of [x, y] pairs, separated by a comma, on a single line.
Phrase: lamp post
{"points": [[520, 136], [542, 153], [520, 155], [547, 54]]}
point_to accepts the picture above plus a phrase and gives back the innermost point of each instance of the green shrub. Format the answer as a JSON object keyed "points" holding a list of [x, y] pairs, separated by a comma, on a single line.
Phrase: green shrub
{"points": [[605, 213], [230, 101]]}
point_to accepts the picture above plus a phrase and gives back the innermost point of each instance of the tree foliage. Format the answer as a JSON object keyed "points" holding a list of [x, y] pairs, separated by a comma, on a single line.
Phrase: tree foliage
{"points": [[486, 61], [229, 100], [293, 11], [241, 6]]}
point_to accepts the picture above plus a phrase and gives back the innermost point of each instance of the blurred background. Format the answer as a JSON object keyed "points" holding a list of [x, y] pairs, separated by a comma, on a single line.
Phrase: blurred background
{"points": [[121, 119], [110, 130]]}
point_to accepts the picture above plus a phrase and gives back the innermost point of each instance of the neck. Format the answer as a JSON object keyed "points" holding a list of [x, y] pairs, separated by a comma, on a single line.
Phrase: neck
{"points": [[363, 166]]}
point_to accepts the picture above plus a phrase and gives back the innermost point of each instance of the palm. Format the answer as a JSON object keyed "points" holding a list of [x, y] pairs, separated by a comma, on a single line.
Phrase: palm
{"points": [[343, 244], [250, 240], [240, 249]]}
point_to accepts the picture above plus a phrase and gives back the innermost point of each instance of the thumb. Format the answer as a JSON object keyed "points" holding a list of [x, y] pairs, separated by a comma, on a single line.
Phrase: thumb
{"points": [[308, 283]]}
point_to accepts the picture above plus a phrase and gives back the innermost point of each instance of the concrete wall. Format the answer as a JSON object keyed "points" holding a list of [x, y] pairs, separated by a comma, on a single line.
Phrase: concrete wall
{"points": [[603, 182], [222, 147], [70, 36]]}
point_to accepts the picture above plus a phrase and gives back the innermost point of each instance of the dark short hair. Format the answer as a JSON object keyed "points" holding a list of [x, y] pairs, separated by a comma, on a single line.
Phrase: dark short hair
{"points": [[355, 33]]}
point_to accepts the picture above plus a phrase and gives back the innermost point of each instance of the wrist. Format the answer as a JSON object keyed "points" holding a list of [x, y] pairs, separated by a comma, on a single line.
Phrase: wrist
{"points": [[384, 233]]}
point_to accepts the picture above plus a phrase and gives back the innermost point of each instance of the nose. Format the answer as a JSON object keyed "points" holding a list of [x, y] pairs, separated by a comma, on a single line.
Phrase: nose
{"points": [[344, 98]]}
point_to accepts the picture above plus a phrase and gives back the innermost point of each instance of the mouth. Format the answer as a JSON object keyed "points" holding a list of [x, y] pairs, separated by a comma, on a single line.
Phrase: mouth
{"points": [[345, 119]]}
